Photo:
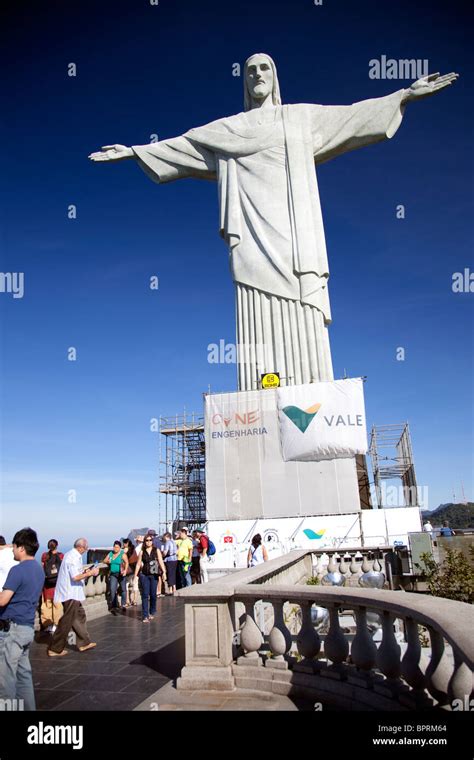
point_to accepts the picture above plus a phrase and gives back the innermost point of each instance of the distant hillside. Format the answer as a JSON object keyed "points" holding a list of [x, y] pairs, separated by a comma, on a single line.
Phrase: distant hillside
{"points": [[458, 515]]}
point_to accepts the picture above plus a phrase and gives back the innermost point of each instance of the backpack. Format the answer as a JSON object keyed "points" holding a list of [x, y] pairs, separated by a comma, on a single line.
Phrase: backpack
{"points": [[51, 569], [446, 532], [211, 549]]}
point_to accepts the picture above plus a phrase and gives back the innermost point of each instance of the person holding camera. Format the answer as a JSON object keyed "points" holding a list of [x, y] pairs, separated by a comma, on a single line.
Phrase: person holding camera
{"points": [[70, 591], [149, 567], [118, 561]]}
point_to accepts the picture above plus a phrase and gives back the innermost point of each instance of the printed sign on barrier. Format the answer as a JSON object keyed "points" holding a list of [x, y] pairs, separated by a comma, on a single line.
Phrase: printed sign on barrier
{"points": [[322, 420]]}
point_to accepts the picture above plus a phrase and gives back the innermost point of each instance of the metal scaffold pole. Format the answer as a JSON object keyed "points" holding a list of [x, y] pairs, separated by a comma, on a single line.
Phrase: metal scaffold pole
{"points": [[392, 458], [182, 472]]}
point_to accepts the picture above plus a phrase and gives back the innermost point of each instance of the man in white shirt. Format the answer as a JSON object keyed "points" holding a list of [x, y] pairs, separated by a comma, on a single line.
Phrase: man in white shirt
{"points": [[428, 528], [7, 560], [70, 591]]}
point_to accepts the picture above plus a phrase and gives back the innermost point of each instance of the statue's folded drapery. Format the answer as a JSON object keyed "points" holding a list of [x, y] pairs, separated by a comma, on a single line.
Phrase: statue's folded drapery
{"points": [[270, 216]]}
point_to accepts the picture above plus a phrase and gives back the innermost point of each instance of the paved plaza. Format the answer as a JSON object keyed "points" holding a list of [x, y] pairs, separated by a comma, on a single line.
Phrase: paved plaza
{"points": [[131, 662], [134, 667]]}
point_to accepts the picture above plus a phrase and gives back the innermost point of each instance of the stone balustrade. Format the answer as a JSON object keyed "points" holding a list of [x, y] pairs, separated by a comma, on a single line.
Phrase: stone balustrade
{"points": [[226, 648], [95, 589], [353, 562]]}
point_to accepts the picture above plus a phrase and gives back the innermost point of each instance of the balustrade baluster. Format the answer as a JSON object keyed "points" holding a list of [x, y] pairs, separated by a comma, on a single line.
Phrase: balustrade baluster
{"points": [[251, 638], [279, 638], [308, 641], [439, 670], [336, 646], [460, 685], [363, 649], [413, 665], [319, 566], [355, 565], [343, 566], [388, 653], [323, 566]]}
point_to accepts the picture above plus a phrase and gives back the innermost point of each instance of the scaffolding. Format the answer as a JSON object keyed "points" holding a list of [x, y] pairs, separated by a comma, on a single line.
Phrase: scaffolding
{"points": [[182, 471], [392, 457]]}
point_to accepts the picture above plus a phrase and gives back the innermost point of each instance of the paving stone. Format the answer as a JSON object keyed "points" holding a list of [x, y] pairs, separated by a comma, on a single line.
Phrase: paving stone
{"points": [[108, 701], [47, 699], [85, 667], [46, 681], [100, 683], [147, 685]]}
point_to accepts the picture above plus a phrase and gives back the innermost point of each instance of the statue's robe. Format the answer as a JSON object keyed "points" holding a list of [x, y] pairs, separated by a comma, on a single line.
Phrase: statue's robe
{"points": [[270, 216]]}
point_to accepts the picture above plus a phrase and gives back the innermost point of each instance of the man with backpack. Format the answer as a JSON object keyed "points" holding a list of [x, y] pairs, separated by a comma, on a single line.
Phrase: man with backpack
{"points": [[206, 550], [446, 531], [51, 611]]}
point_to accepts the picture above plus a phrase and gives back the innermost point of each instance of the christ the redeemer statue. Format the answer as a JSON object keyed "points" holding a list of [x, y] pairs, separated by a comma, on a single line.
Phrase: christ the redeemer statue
{"points": [[270, 216]]}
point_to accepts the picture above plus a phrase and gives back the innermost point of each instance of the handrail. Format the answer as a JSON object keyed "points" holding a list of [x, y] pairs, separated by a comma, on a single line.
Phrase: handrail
{"points": [[221, 615], [453, 620]]}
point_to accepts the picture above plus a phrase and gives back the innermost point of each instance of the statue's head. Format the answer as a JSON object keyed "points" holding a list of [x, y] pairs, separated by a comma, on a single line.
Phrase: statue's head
{"points": [[260, 81]]}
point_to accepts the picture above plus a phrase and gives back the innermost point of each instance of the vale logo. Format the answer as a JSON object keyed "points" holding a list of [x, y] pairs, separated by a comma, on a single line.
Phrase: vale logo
{"points": [[313, 535], [302, 418]]}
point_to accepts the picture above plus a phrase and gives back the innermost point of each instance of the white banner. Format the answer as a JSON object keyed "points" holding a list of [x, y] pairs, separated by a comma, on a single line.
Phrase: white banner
{"points": [[371, 527], [246, 475], [322, 420]]}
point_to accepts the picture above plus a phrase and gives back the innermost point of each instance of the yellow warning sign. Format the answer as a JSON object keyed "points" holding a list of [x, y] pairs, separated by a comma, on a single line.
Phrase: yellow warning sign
{"points": [[271, 380]]}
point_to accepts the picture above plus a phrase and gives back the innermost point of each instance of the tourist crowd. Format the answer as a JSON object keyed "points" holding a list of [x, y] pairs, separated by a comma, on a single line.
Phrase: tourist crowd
{"points": [[54, 587]]}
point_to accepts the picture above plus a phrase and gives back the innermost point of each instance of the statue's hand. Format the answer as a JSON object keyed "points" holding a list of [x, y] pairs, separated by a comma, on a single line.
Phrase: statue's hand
{"points": [[112, 153], [429, 85]]}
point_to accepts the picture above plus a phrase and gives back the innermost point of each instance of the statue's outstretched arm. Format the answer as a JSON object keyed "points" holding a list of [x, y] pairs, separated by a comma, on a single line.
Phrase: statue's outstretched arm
{"points": [[112, 153], [166, 160], [339, 129], [429, 85]]}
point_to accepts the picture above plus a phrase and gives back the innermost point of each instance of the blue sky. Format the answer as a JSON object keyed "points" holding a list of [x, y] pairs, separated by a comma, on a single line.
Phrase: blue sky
{"points": [[142, 69]]}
